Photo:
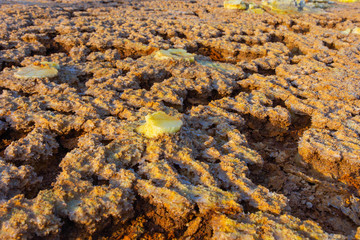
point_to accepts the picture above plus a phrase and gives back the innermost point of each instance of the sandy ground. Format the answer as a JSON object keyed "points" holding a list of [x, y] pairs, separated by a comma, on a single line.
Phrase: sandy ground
{"points": [[270, 105]]}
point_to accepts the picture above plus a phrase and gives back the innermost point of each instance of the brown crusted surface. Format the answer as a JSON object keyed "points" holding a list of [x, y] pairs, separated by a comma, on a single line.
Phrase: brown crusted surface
{"points": [[269, 147]]}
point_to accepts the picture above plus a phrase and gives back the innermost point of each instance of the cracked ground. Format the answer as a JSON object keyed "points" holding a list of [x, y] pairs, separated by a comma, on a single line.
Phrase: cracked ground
{"points": [[269, 148]]}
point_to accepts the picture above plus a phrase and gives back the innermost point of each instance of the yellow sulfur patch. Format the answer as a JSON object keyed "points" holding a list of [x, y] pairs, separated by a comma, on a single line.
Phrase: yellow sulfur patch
{"points": [[356, 30], [278, 8], [38, 70], [347, 31], [347, 1], [255, 9], [159, 123], [235, 4], [175, 54]]}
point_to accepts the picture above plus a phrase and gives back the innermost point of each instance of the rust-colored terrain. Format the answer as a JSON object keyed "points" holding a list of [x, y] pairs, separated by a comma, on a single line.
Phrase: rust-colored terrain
{"points": [[270, 105]]}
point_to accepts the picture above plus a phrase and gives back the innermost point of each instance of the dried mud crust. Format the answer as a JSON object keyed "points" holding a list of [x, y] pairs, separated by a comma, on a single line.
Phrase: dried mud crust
{"points": [[269, 147]]}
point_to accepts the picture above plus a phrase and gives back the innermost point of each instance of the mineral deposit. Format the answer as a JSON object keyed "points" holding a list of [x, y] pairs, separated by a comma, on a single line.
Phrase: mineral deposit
{"points": [[269, 105]]}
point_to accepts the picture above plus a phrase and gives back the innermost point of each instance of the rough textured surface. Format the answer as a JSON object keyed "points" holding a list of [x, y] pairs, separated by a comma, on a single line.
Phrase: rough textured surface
{"points": [[270, 105]]}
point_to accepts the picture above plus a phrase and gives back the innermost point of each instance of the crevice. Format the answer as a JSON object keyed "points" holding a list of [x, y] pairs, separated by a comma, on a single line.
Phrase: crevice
{"points": [[148, 223], [204, 231], [148, 80], [49, 168], [175, 106], [108, 231], [275, 38], [193, 98], [10, 135], [300, 29], [214, 95], [8, 64], [164, 36], [69, 229], [295, 51], [106, 142], [300, 123], [329, 45], [278, 102], [281, 157], [181, 35], [96, 181], [136, 167], [18, 92], [261, 71], [247, 207], [55, 48], [177, 168], [69, 141], [84, 77], [69, 113], [239, 90]]}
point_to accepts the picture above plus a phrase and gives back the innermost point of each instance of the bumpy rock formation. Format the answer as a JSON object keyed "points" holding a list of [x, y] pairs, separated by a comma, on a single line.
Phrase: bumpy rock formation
{"points": [[269, 146]]}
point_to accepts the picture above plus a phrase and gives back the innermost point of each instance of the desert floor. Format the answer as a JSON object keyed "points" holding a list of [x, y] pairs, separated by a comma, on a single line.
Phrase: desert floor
{"points": [[269, 101]]}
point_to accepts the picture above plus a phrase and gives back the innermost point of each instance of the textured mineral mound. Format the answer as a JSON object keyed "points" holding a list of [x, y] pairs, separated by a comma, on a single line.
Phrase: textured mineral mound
{"points": [[258, 136]]}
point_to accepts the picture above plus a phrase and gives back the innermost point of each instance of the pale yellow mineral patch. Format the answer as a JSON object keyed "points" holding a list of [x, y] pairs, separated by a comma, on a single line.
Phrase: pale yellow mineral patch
{"points": [[347, 31], [354, 31], [159, 123], [255, 9], [38, 70], [218, 65], [235, 4], [175, 54], [347, 1], [278, 7]]}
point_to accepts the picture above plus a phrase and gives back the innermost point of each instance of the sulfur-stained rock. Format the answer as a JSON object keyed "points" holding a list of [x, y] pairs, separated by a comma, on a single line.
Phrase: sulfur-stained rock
{"points": [[16, 180], [38, 145], [80, 200], [334, 154], [22, 218], [259, 225]]}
